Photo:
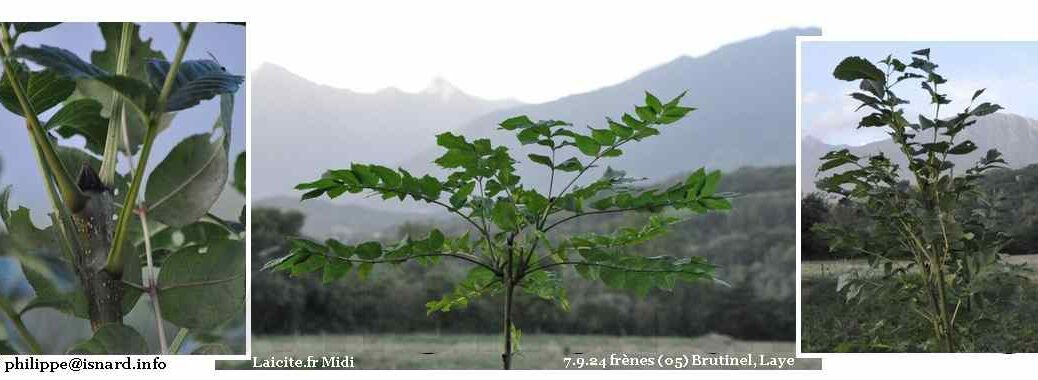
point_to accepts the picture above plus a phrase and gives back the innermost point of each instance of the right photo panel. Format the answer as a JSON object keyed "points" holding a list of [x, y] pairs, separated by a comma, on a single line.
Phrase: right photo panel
{"points": [[919, 196]]}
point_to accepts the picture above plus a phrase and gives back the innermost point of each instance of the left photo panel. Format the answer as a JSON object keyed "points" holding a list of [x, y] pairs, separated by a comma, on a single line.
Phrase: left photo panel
{"points": [[122, 188]]}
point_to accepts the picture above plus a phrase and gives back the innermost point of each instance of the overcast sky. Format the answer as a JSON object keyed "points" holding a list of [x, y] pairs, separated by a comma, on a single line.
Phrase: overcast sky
{"points": [[532, 51], [1006, 69]]}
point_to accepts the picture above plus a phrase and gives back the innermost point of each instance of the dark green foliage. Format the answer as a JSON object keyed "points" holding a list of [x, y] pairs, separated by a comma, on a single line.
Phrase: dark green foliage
{"points": [[753, 247], [483, 187], [936, 223], [883, 324], [510, 221], [201, 282]]}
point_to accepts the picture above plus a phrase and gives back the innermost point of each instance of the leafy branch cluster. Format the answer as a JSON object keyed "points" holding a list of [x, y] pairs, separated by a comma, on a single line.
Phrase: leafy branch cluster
{"points": [[118, 244], [511, 222], [929, 233]]}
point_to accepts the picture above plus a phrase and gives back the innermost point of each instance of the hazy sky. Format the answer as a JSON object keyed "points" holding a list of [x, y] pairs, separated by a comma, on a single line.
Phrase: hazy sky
{"points": [[531, 51], [1006, 69], [225, 42]]}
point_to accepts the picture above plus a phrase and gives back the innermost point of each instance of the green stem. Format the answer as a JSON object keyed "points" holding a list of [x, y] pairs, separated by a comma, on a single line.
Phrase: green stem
{"points": [[108, 164], [61, 218], [178, 341], [114, 263], [30, 340], [72, 197]]}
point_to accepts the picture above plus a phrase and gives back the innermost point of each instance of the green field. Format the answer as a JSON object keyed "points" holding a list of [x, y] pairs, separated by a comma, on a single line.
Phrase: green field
{"points": [[822, 269], [428, 351]]}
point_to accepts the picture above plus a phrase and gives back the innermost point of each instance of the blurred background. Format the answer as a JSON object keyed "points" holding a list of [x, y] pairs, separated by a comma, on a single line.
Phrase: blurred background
{"points": [[322, 109]]}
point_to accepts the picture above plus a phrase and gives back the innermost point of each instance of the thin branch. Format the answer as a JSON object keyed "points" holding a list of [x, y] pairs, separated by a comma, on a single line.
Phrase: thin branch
{"points": [[433, 201], [603, 265], [72, 197], [114, 262], [178, 340], [406, 258], [16, 319], [611, 211], [150, 280]]}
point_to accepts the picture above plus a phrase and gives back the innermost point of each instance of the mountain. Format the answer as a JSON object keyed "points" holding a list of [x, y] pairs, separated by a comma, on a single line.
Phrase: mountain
{"points": [[325, 219], [301, 128], [744, 93], [1013, 135]]}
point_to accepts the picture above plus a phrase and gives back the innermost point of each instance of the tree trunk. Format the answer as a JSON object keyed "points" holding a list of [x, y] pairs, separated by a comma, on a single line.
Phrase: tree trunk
{"points": [[94, 227], [506, 357]]}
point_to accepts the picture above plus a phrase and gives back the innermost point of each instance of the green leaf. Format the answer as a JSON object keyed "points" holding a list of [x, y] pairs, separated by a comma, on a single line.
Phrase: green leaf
{"points": [[202, 287], [112, 338], [964, 147], [68, 65], [239, 173], [570, 165], [674, 114], [977, 94], [529, 136], [106, 59], [390, 178], [985, 109], [27, 27], [604, 137], [451, 141], [477, 283], [646, 114], [62, 61], [543, 160], [430, 186], [140, 51], [505, 216], [186, 184], [196, 80], [587, 145], [710, 184], [855, 68], [335, 270], [620, 130], [44, 89], [81, 117], [516, 122], [653, 103], [461, 196], [6, 348], [23, 238], [223, 120], [370, 250]]}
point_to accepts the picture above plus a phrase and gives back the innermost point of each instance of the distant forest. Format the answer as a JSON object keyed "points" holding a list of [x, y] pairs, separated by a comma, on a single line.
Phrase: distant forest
{"points": [[753, 246], [1013, 193]]}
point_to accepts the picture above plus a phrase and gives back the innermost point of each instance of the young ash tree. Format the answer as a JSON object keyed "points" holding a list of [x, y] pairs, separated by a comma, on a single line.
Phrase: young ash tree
{"points": [[114, 239], [509, 244], [928, 237]]}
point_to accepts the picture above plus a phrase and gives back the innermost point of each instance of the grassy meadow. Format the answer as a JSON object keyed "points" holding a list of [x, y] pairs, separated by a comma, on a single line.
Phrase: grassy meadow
{"points": [[430, 351]]}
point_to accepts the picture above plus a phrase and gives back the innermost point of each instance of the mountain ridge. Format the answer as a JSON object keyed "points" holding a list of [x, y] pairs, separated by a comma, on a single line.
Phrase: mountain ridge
{"points": [[1015, 136]]}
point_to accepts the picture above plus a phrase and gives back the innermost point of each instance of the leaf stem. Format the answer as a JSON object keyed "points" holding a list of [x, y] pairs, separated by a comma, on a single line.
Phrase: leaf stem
{"points": [[409, 257], [72, 197], [114, 263], [30, 340], [111, 149], [150, 282], [178, 341]]}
